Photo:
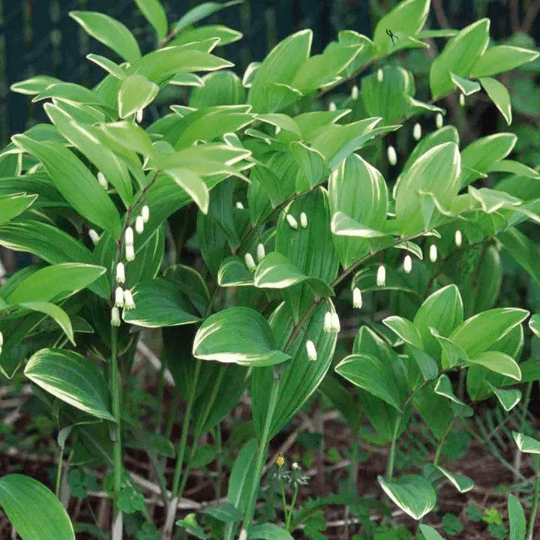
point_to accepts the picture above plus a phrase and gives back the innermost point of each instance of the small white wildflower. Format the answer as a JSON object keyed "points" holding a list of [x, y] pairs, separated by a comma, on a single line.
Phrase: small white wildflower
{"points": [[357, 298], [128, 300], [458, 238], [130, 252], [354, 92], [332, 107], [94, 236], [462, 100], [102, 180], [417, 131], [311, 350], [139, 225], [433, 253], [115, 316], [139, 116], [145, 213], [295, 465], [260, 252], [407, 264], [381, 276], [250, 263], [120, 273], [439, 120], [292, 221], [336, 326], [119, 297], [303, 220], [327, 326], [392, 156], [239, 205], [380, 75], [129, 236]]}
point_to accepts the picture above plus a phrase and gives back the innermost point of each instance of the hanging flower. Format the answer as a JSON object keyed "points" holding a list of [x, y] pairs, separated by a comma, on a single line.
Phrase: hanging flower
{"points": [[250, 263], [102, 180], [357, 298], [458, 238], [129, 236], [119, 297], [303, 220], [417, 131], [115, 316], [139, 225], [129, 303], [311, 350], [292, 221], [130, 252], [433, 253], [94, 236], [439, 120], [120, 273], [261, 254], [145, 213], [392, 156], [381, 276], [407, 264]]}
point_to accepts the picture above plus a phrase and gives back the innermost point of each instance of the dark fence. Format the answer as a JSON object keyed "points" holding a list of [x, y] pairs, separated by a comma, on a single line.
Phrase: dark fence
{"points": [[39, 37]]}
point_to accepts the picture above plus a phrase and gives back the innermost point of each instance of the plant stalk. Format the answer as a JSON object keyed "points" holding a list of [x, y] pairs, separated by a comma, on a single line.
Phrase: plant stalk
{"points": [[532, 517]]}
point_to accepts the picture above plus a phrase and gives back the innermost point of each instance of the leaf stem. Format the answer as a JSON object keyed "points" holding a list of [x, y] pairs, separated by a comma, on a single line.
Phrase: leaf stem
{"points": [[532, 517]]}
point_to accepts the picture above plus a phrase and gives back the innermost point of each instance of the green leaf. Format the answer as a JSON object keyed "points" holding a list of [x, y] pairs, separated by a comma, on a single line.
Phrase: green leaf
{"points": [[443, 387], [193, 185], [83, 137], [226, 513], [507, 398], [47, 518], [372, 375], [239, 335], [523, 251], [513, 167], [14, 205], [72, 378], [219, 88], [190, 524], [483, 152], [75, 182], [343, 225], [57, 313], [159, 303], [108, 65], [405, 330], [136, 92], [498, 362], [412, 493], [70, 93], [34, 85], [534, 324], [459, 57], [466, 86], [480, 332], [155, 15], [460, 482], [233, 273], [406, 19], [130, 136], [526, 444], [225, 34], [501, 58], [430, 533], [54, 282], [268, 531], [498, 93], [516, 517], [280, 66], [276, 271], [200, 12], [437, 172], [110, 32]]}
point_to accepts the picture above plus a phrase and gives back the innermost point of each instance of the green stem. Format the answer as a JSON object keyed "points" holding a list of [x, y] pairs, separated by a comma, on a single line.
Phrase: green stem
{"points": [[532, 517], [261, 451], [291, 510], [185, 431], [284, 501], [392, 456], [59, 472], [117, 442], [441, 442]]}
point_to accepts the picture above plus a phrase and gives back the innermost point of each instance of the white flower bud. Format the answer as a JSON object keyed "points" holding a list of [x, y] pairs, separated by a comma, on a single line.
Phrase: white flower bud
{"points": [[243, 534], [327, 326], [380, 75], [292, 222], [145, 213], [439, 120], [1, 339], [407, 264], [417, 131], [295, 465], [115, 316], [354, 92], [357, 298], [120, 273], [130, 252], [94, 236], [392, 156], [139, 116], [336, 326], [102, 180], [250, 263], [433, 253], [260, 252], [128, 300], [129, 236], [332, 107], [303, 220], [462, 100], [239, 205], [381, 276], [311, 350], [119, 297], [139, 225], [458, 238]]}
